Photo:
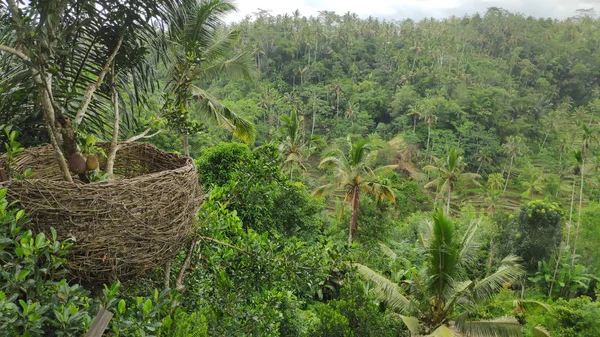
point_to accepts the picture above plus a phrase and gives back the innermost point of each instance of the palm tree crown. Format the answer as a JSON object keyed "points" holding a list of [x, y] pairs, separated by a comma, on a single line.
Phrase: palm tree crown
{"points": [[430, 300], [450, 171], [203, 52], [355, 172]]}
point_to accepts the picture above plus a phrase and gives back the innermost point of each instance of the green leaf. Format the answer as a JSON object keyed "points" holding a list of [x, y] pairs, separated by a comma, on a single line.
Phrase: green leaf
{"points": [[147, 306], [121, 307], [413, 324], [40, 240], [442, 331]]}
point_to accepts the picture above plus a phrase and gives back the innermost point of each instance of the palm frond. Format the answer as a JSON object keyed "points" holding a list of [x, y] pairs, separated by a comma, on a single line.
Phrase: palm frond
{"points": [[379, 191], [412, 324], [387, 251], [523, 305], [442, 331], [324, 189], [442, 256], [469, 245], [216, 112], [501, 327], [510, 270], [385, 289], [540, 331]]}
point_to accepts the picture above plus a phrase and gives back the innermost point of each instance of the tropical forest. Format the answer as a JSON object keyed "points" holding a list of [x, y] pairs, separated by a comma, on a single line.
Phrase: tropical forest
{"points": [[166, 171]]}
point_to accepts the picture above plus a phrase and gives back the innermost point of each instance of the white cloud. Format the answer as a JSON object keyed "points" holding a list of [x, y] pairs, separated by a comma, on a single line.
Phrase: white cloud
{"points": [[414, 9]]}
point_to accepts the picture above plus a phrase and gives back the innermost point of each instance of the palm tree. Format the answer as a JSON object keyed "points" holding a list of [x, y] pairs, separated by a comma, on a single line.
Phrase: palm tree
{"points": [[440, 292], [512, 148], [534, 184], [495, 181], [202, 53], [450, 170], [292, 147], [416, 111], [551, 123], [587, 137], [354, 172], [429, 116]]}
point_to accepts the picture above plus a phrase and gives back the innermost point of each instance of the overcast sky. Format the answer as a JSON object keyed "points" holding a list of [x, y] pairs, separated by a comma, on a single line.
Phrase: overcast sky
{"points": [[415, 9]]}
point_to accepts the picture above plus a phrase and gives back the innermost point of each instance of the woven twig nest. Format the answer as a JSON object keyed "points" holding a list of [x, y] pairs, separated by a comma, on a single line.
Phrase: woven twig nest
{"points": [[122, 227]]}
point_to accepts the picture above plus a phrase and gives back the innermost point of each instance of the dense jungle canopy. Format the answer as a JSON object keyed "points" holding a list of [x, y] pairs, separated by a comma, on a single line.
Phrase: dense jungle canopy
{"points": [[362, 177]]}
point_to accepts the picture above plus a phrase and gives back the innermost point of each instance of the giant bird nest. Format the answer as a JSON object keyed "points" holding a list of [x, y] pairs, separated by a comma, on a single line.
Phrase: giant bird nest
{"points": [[121, 227]]}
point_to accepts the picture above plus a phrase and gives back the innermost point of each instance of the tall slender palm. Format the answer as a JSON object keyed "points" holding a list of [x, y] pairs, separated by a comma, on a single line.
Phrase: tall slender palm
{"points": [[450, 171], [495, 181], [440, 291], [202, 51], [416, 111], [512, 148], [551, 122], [587, 137], [355, 172], [294, 150], [534, 184], [429, 116]]}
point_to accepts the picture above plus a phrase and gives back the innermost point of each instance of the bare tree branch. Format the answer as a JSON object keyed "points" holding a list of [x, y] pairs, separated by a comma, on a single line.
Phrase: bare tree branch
{"points": [[15, 52], [143, 135], [87, 98]]}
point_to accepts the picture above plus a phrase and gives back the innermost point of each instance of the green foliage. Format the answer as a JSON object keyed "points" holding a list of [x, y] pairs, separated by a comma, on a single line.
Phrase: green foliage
{"points": [[537, 232], [36, 298], [249, 283], [252, 185]]}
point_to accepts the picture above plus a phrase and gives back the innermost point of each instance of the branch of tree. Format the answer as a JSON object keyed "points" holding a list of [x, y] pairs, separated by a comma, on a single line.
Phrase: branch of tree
{"points": [[87, 98], [185, 266], [15, 52], [112, 153], [206, 238], [143, 135]]}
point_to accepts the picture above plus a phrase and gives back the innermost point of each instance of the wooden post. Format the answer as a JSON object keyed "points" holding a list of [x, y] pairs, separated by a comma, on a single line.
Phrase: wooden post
{"points": [[100, 323]]}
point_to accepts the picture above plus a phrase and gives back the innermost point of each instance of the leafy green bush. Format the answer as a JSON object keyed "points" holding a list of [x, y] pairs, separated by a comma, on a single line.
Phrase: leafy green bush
{"points": [[253, 186], [36, 299]]}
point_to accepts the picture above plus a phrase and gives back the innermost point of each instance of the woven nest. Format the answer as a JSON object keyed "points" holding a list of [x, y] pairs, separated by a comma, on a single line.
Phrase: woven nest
{"points": [[121, 227]]}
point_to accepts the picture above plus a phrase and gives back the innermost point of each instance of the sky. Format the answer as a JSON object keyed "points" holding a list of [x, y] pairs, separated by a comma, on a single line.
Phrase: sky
{"points": [[414, 9]]}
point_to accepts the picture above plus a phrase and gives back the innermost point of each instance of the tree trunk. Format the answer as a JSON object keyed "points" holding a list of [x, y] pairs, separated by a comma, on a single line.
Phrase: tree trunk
{"points": [[428, 136], [312, 130], [186, 264], [558, 253], [508, 176], [112, 153], [448, 202], [354, 218], [291, 170], [50, 116], [570, 224], [544, 142], [491, 257], [579, 212], [167, 277]]}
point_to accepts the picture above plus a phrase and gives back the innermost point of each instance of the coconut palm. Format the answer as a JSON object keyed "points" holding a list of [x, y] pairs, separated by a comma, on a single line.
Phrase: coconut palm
{"points": [[201, 53], [551, 122], [534, 184], [450, 171], [294, 150], [440, 294], [429, 116], [587, 137], [355, 172], [416, 111], [512, 148], [495, 181]]}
